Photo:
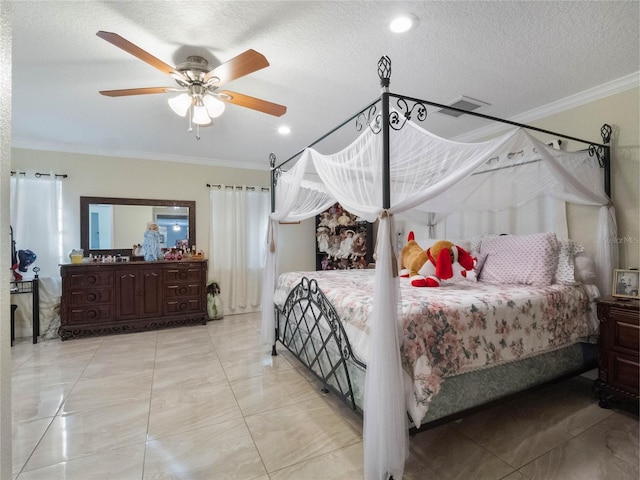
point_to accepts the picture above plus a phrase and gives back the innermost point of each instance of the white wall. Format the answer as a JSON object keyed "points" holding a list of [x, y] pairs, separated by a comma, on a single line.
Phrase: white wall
{"points": [[297, 250]]}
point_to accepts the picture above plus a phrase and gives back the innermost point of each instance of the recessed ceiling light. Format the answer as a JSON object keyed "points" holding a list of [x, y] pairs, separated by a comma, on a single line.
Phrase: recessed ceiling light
{"points": [[284, 130], [402, 23]]}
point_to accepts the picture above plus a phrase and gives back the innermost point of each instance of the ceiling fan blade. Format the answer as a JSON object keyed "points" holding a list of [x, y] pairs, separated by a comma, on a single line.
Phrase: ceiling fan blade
{"points": [[139, 91], [252, 102], [239, 66], [136, 51]]}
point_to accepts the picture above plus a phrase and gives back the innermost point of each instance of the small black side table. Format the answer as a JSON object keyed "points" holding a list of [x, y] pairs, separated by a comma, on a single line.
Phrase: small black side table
{"points": [[31, 286]]}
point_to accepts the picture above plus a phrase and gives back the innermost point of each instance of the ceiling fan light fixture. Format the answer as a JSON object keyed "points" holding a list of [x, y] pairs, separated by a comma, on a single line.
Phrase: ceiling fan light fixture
{"points": [[200, 115], [180, 104], [403, 23], [199, 80], [215, 107]]}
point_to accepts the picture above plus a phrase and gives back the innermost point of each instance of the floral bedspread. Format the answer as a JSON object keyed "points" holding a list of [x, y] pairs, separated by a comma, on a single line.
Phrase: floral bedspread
{"points": [[456, 328]]}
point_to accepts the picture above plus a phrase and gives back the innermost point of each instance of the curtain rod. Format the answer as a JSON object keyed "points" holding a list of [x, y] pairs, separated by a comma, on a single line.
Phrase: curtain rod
{"points": [[252, 188], [38, 174]]}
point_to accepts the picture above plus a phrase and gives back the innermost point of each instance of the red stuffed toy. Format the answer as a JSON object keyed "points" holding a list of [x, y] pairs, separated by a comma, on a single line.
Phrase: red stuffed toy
{"points": [[427, 268]]}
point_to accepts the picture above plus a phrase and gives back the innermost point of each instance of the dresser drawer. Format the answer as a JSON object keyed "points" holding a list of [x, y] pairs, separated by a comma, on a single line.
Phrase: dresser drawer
{"points": [[624, 372], [182, 273], [182, 290], [90, 297], [89, 280], [625, 334], [95, 314], [183, 306]]}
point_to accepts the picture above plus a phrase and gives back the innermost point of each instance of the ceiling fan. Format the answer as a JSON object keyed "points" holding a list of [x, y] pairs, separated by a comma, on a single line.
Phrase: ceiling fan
{"points": [[198, 83]]}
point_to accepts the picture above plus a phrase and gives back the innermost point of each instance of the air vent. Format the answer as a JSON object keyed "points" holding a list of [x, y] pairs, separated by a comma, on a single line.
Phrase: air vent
{"points": [[463, 103]]}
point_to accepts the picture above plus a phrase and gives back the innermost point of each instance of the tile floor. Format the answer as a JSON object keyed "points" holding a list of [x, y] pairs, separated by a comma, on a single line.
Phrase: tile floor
{"points": [[208, 402]]}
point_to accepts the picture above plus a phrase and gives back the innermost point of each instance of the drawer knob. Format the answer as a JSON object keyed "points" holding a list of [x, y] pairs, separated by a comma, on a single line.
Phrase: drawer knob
{"points": [[91, 297]]}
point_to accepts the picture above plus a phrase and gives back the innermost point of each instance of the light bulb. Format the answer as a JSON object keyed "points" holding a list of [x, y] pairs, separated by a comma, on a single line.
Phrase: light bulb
{"points": [[214, 106], [200, 116], [402, 23], [176, 228], [180, 104]]}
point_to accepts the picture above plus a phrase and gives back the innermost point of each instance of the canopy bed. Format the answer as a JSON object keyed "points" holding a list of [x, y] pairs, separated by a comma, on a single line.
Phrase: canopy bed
{"points": [[389, 349]]}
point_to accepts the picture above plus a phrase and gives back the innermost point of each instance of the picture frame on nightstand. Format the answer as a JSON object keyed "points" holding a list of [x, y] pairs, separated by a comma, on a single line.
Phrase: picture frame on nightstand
{"points": [[625, 283]]}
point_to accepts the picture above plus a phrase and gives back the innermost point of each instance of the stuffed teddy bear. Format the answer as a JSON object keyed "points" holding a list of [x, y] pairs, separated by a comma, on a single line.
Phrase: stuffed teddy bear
{"points": [[427, 268]]}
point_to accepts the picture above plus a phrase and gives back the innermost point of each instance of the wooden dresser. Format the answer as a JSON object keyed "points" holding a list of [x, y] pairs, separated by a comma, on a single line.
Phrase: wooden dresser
{"points": [[618, 364], [106, 298]]}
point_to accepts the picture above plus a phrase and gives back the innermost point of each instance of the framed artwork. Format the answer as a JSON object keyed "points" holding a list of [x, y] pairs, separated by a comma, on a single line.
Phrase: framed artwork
{"points": [[343, 241], [625, 283]]}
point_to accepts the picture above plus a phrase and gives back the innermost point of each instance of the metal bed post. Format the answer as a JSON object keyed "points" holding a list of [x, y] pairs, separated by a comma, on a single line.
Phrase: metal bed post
{"points": [[605, 132], [384, 72], [272, 164]]}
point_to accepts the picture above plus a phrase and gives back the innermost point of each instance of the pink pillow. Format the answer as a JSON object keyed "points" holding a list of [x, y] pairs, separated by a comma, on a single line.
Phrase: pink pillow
{"points": [[520, 259]]}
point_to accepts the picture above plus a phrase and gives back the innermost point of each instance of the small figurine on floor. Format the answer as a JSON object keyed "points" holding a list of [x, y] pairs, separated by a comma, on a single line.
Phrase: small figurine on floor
{"points": [[214, 303]]}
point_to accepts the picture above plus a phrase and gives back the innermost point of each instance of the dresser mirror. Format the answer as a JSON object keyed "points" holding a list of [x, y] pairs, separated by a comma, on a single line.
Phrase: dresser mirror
{"points": [[112, 226]]}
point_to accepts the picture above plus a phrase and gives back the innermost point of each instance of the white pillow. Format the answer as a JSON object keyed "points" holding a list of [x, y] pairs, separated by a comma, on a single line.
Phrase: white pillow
{"points": [[474, 244], [585, 268], [520, 259], [565, 271]]}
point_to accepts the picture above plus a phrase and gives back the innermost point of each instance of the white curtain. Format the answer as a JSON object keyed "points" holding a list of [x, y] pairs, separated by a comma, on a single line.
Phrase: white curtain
{"points": [[542, 214], [434, 175], [239, 219], [36, 219]]}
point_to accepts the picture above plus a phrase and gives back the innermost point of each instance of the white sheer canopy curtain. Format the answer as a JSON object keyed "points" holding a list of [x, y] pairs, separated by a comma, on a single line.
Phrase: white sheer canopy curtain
{"points": [[239, 218], [434, 175], [36, 219]]}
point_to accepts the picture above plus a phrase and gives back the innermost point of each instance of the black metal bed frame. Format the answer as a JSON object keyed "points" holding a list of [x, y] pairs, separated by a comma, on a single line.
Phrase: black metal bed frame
{"points": [[300, 321], [334, 353]]}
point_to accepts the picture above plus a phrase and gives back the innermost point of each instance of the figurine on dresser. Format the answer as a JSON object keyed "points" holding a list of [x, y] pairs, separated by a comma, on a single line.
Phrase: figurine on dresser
{"points": [[151, 245]]}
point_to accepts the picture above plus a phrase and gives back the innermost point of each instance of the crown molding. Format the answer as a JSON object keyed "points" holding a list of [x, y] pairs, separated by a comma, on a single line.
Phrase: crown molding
{"points": [[586, 96], [213, 162]]}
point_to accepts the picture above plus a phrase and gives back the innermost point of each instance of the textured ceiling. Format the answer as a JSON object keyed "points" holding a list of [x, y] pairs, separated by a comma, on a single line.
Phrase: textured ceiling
{"points": [[516, 56]]}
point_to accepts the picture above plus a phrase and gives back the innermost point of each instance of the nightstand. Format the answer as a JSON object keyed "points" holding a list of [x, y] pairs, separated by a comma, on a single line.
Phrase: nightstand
{"points": [[618, 363]]}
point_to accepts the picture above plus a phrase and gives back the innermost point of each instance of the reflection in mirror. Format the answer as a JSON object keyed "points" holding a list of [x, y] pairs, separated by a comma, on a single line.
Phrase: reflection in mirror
{"points": [[114, 225]]}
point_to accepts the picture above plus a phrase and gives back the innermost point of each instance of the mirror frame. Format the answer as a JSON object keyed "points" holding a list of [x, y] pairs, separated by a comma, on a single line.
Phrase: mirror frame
{"points": [[84, 219]]}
